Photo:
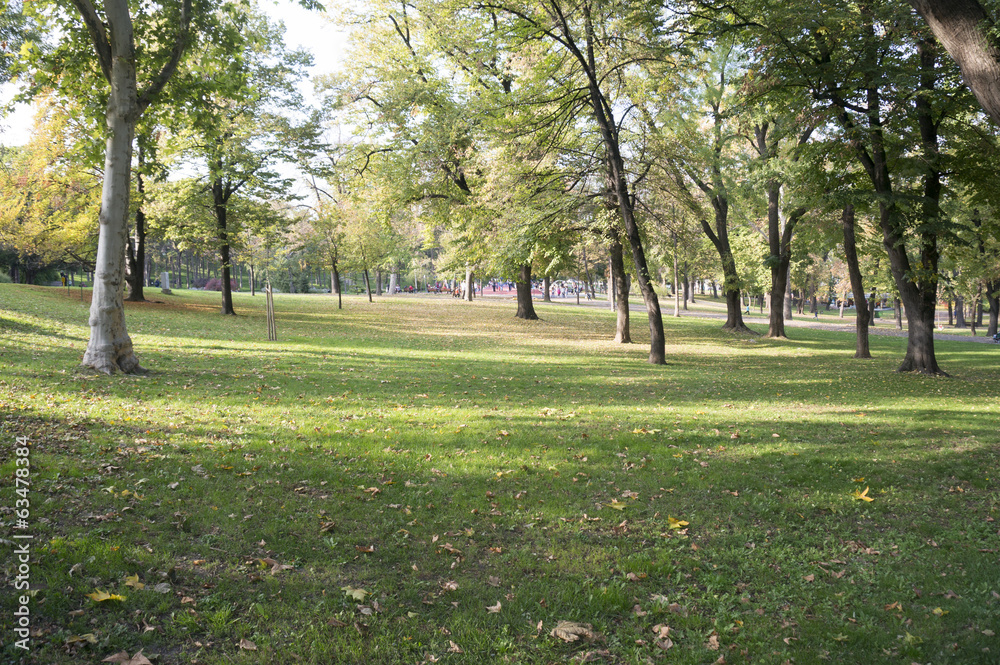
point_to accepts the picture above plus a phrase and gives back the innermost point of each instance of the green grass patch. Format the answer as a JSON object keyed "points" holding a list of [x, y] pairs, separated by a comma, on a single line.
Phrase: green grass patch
{"points": [[427, 480]]}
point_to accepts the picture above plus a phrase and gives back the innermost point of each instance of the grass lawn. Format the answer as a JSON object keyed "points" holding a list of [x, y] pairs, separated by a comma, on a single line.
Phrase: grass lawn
{"points": [[426, 480]]}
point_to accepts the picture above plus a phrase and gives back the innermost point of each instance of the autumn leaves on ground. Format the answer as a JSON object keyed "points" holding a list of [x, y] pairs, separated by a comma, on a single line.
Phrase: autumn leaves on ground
{"points": [[425, 480]]}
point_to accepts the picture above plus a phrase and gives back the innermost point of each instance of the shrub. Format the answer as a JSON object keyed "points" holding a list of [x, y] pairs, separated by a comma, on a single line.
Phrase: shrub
{"points": [[215, 284], [5, 278]]}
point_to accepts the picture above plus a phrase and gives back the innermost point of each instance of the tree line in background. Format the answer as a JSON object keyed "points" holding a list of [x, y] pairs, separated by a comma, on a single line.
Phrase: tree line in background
{"points": [[787, 154]]}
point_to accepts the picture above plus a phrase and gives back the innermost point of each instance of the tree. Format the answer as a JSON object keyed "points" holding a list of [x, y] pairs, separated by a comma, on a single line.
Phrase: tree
{"points": [[240, 125], [110, 32], [571, 44]]}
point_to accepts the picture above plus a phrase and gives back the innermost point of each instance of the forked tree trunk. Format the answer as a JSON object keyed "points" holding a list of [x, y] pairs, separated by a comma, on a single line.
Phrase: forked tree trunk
{"points": [[525, 308], [619, 281]]}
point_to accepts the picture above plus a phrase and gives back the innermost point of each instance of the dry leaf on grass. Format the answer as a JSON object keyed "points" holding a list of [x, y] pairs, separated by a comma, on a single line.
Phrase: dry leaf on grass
{"points": [[571, 631], [356, 594], [713, 642], [100, 596], [494, 609], [247, 645], [123, 658]]}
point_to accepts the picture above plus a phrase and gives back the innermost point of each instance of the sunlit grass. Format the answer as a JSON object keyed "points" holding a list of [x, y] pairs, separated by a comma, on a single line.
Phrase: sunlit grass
{"points": [[414, 445]]}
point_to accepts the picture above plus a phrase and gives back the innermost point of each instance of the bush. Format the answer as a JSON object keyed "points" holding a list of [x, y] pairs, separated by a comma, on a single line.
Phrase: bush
{"points": [[215, 284], [5, 278]]}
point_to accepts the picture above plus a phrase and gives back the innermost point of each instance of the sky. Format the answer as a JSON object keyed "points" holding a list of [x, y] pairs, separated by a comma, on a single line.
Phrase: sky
{"points": [[305, 29]]}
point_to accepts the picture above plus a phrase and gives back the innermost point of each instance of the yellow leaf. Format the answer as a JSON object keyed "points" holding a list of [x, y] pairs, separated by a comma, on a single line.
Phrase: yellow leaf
{"points": [[356, 594], [616, 504], [675, 523], [937, 611], [863, 495], [100, 596], [133, 581]]}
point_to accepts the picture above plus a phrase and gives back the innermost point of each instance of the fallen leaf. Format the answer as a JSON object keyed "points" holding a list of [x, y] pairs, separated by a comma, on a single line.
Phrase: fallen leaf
{"points": [[494, 609], [809, 578], [840, 638], [571, 631], [713, 642], [493, 581], [133, 581], [75, 639], [336, 623], [450, 586], [454, 648], [356, 594], [162, 587], [123, 658], [988, 633], [863, 496], [937, 611], [616, 504], [100, 596], [248, 645], [675, 523]]}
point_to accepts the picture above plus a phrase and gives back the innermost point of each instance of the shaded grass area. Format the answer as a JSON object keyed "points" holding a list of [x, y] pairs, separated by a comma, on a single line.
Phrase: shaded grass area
{"points": [[481, 478]]}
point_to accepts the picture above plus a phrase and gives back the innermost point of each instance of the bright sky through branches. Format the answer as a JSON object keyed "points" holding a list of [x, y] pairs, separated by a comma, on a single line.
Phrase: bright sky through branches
{"points": [[306, 29]]}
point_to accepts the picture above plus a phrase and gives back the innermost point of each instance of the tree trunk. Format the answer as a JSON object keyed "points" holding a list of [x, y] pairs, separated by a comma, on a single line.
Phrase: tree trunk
{"points": [[993, 298], [731, 283], [898, 311], [686, 287], [469, 284], [857, 283], [393, 283], [110, 347], [368, 286], [677, 291], [960, 312], [136, 258], [620, 283], [525, 308], [336, 280], [253, 281], [586, 272], [964, 28], [546, 285], [220, 201], [780, 245]]}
